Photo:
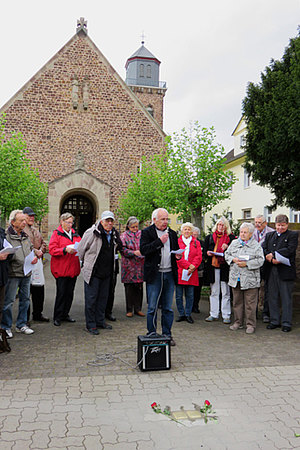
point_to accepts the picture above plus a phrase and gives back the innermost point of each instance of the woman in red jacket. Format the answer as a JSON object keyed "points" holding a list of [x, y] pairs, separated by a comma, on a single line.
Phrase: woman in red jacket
{"points": [[187, 272], [65, 267]]}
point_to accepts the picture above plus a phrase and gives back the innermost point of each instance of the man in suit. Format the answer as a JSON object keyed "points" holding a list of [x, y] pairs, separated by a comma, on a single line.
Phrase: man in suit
{"points": [[160, 270], [279, 276], [260, 235]]}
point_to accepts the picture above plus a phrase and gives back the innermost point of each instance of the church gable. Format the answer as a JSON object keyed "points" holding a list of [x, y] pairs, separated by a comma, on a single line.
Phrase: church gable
{"points": [[77, 102]]}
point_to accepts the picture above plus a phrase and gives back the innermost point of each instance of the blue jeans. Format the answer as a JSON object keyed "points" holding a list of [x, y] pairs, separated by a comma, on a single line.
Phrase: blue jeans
{"points": [[23, 283], [162, 288], [189, 299]]}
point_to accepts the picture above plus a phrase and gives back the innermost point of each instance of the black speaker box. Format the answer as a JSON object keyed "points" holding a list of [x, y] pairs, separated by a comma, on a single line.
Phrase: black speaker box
{"points": [[154, 353]]}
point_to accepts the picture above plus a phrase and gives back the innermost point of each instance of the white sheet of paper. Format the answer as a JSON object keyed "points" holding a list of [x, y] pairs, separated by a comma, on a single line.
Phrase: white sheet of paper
{"points": [[177, 252], [282, 259], [217, 253], [244, 257], [27, 263], [74, 246], [9, 250], [185, 276], [7, 244]]}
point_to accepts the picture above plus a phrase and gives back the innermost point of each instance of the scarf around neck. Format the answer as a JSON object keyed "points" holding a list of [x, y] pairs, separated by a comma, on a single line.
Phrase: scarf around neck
{"points": [[187, 242]]}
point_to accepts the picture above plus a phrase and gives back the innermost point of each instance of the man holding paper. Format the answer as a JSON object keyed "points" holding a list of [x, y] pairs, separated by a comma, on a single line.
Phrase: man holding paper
{"points": [[17, 278], [279, 275]]}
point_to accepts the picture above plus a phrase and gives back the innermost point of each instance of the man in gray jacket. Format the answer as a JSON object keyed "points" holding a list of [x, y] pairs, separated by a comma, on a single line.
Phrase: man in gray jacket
{"points": [[17, 280], [98, 250]]}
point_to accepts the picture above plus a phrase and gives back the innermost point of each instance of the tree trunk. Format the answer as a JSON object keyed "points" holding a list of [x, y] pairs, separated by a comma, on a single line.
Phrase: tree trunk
{"points": [[197, 219]]}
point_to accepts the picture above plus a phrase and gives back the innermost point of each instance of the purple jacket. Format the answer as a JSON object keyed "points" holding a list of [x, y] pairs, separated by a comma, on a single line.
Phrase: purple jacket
{"points": [[132, 270]]}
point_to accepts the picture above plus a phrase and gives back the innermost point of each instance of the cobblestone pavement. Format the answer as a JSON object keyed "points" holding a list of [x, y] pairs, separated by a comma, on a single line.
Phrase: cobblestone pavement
{"points": [[52, 398]]}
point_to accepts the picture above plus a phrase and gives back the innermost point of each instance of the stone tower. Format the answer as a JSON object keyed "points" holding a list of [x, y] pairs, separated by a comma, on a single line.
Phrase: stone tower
{"points": [[142, 76]]}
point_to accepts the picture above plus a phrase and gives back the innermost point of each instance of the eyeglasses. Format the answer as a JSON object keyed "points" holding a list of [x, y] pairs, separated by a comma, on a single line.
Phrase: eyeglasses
{"points": [[69, 222]]}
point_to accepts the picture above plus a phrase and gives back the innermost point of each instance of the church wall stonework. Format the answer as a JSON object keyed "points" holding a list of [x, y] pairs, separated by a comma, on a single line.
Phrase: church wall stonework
{"points": [[96, 115]]}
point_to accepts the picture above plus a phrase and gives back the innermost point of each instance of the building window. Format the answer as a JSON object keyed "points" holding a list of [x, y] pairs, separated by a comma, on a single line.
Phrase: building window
{"points": [[142, 70], [268, 213], [179, 221], [150, 110], [246, 213], [148, 71], [242, 141], [229, 215], [296, 216], [247, 180], [215, 217]]}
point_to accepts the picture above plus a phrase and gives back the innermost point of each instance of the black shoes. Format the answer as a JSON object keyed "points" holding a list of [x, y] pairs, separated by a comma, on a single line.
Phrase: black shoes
{"points": [[286, 329], [271, 326], [196, 310], [93, 331], [110, 317], [172, 342], [189, 319], [57, 323], [68, 319], [105, 326], [181, 319], [41, 318]]}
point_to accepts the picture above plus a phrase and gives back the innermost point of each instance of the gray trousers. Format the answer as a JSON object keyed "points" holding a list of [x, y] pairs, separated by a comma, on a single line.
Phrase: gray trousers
{"points": [[280, 289], [244, 306]]}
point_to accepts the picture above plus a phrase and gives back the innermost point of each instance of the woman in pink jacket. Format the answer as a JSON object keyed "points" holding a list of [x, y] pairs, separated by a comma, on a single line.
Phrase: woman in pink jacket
{"points": [[187, 272]]}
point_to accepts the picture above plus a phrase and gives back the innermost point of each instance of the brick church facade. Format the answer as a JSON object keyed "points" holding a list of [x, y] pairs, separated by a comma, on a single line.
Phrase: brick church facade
{"points": [[86, 129]]}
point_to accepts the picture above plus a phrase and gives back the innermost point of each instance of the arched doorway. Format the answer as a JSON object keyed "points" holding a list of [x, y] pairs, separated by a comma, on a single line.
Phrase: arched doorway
{"points": [[82, 209]]}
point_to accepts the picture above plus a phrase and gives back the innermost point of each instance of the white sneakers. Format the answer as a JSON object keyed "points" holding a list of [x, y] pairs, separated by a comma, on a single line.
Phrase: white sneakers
{"points": [[25, 330], [9, 334]]}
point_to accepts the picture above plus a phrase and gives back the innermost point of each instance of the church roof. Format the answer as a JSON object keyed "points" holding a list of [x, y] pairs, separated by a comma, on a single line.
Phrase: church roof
{"points": [[142, 53], [81, 33]]}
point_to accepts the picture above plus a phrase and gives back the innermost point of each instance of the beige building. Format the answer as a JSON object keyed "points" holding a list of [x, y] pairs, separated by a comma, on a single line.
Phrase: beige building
{"points": [[247, 199], [86, 129]]}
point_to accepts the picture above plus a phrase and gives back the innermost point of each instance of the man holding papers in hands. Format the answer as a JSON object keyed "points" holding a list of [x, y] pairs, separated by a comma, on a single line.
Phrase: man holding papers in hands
{"points": [[18, 275], [280, 272]]}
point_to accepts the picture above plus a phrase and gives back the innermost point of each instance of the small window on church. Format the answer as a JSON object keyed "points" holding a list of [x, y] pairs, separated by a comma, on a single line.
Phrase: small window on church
{"points": [[148, 71], [150, 110], [142, 73]]}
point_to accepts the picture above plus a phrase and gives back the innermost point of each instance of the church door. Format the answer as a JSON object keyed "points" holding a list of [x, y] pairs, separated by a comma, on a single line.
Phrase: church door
{"points": [[82, 209]]}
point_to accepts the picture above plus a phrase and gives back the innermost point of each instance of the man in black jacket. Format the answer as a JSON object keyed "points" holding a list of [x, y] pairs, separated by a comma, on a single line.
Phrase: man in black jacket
{"points": [[160, 270], [279, 276]]}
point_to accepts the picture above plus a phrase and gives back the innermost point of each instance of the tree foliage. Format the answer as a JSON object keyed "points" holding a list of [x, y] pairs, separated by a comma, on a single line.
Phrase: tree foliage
{"points": [[272, 113], [188, 178], [20, 185]]}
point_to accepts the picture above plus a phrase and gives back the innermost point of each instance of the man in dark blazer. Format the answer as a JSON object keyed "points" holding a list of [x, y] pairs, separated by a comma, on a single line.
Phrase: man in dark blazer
{"points": [[160, 270], [279, 276]]}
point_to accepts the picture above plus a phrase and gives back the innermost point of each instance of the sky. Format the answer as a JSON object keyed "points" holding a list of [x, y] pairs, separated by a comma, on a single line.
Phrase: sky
{"points": [[209, 51]]}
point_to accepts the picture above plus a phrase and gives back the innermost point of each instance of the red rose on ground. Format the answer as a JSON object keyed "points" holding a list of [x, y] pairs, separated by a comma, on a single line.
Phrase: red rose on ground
{"points": [[207, 403], [154, 405]]}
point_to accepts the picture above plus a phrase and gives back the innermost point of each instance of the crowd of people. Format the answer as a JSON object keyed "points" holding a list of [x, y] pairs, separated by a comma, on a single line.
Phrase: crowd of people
{"points": [[246, 273]]}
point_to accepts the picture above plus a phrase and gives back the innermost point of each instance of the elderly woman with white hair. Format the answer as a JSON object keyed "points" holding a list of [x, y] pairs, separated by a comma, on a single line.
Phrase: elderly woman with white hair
{"points": [[187, 272], [217, 271], [245, 257]]}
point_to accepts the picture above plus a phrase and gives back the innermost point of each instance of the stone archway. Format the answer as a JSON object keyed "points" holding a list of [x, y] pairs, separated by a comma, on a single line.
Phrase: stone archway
{"points": [[83, 210], [78, 183]]}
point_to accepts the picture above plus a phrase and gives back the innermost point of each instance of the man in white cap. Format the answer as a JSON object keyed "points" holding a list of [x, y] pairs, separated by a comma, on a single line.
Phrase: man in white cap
{"points": [[97, 250]]}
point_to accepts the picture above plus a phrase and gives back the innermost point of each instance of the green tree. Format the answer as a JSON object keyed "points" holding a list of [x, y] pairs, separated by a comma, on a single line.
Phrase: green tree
{"points": [[20, 185], [272, 114], [189, 178], [196, 179]]}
